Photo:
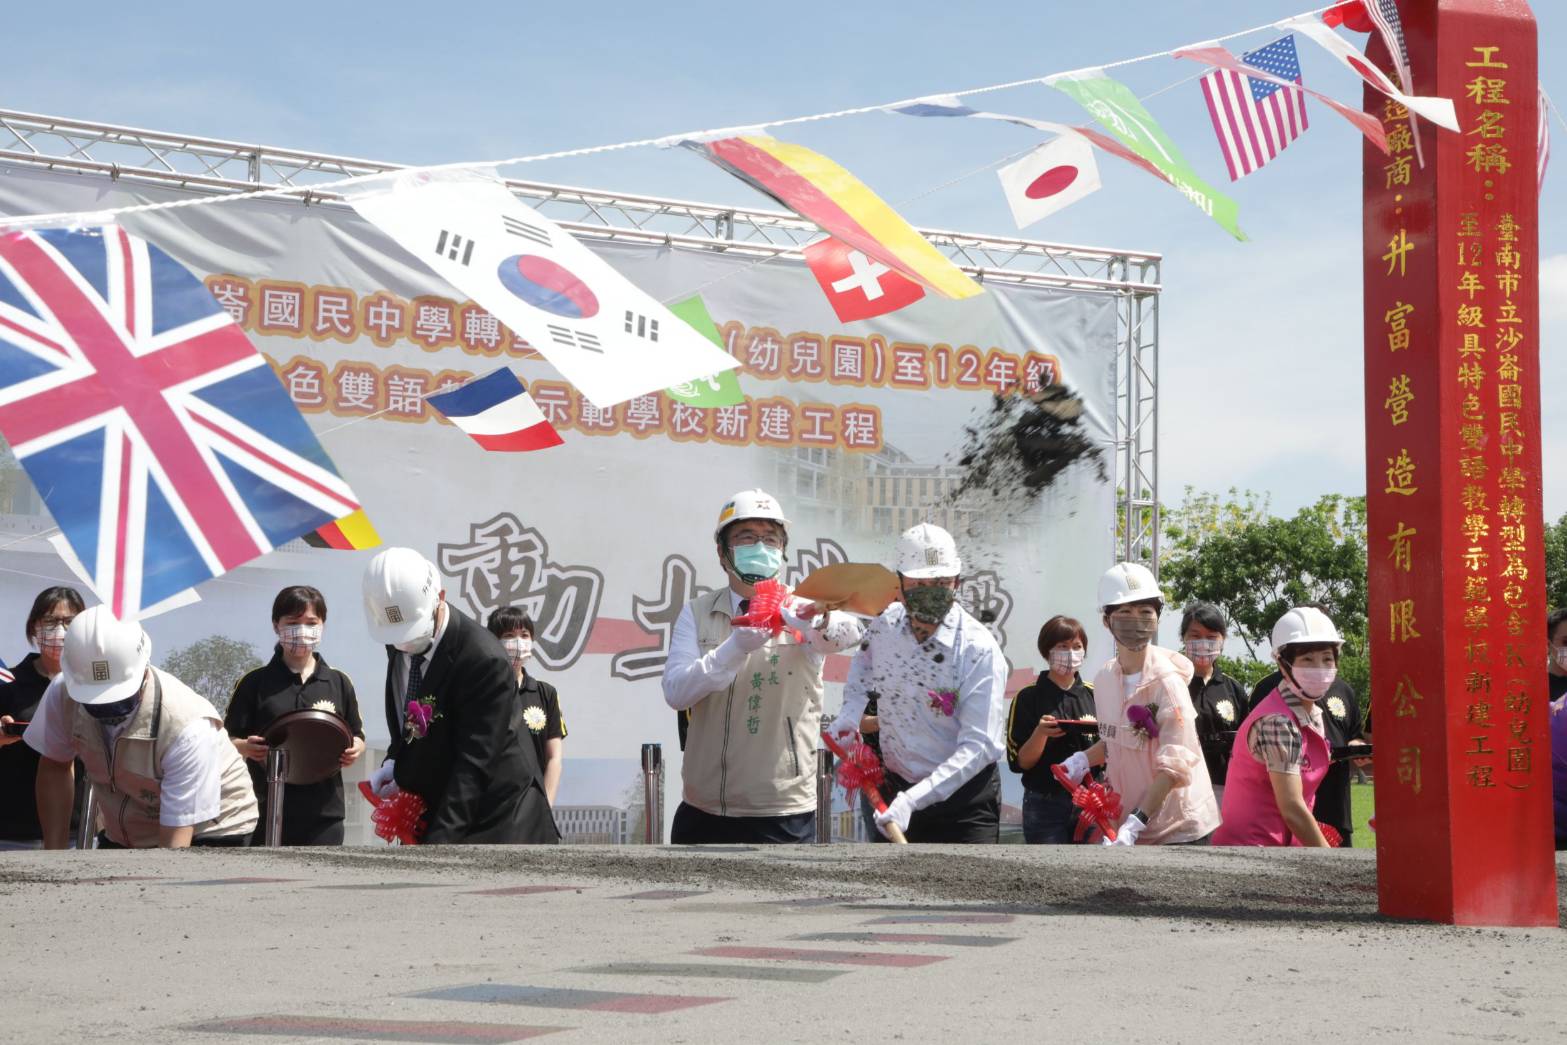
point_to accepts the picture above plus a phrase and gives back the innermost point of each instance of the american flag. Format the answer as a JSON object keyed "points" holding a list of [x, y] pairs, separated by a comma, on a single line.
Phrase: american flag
{"points": [[1385, 14], [162, 443], [5, 674], [1255, 120]]}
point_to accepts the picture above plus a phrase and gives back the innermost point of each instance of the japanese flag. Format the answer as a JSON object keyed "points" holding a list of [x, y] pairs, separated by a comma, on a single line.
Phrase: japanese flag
{"points": [[603, 333], [1053, 176], [1439, 111]]}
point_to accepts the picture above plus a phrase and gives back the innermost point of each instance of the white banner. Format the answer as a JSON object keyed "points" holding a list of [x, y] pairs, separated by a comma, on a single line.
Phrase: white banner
{"points": [[855, 428]]}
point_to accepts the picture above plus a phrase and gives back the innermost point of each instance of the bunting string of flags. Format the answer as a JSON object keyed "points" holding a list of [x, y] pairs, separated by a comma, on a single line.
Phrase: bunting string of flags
{"points": [[201, 463]]}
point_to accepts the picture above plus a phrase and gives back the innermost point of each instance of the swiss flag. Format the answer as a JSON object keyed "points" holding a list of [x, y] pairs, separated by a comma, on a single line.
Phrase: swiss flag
{"points": [[858, 287], [1053, 176]]}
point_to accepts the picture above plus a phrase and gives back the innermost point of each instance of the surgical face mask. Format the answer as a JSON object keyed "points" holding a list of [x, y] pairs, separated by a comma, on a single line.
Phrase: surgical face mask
{"points": [[1203, 649], [756, 562], [519, 649], [1064, 660], [50, 637], [1560, 653], [299, 639], [416, 646], [1133, 633], [929, 603], [114, 713], [1313, 682]]}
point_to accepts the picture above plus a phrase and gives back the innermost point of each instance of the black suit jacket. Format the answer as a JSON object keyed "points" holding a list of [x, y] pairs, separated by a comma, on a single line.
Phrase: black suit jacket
{"points": [[480, 780]]}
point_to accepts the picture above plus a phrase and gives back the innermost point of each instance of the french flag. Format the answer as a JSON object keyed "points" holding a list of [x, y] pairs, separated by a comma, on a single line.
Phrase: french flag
{"points": [[498, 413]]}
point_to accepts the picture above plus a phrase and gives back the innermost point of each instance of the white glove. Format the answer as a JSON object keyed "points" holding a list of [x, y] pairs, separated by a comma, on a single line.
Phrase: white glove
{"points": [[748, 640], [798, 623], [1127, 833], [898, 812], [381, 781], [1076, 766], [842, 727]]}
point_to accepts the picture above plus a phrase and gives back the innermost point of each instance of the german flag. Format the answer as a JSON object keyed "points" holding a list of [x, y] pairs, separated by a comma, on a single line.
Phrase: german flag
{"points": [[350, 533], [822, 192]]}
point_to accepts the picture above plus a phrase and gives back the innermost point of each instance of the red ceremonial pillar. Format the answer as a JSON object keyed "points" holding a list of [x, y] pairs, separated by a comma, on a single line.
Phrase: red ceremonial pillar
{"points": [[1457, 580]]}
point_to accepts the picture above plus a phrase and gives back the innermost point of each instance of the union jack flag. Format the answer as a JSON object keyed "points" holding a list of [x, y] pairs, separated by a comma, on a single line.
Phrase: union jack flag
{"points": [[159, 438]]}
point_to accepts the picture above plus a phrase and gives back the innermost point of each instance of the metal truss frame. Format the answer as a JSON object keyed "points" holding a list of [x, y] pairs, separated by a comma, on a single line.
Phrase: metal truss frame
{"points": [[218, 166]]}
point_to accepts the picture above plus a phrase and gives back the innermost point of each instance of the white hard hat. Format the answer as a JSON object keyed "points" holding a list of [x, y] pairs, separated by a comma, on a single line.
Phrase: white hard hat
{"points": [[1304, 624], [105, 659], [749, 504], [1128, 582], [926, 551], [401, 591]]}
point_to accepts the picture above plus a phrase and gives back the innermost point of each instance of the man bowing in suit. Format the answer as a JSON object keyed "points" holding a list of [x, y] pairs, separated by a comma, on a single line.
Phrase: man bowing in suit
{"points": [[451, 698]]}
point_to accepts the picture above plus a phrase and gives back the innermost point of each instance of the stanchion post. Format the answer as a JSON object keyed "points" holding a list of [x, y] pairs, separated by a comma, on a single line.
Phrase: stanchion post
{"points": [[277, 773], [653, 793], [86, 812], [823, 796]]}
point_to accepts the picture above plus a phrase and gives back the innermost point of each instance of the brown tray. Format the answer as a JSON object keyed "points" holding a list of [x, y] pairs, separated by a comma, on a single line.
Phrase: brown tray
{"points": [[315, 741]]}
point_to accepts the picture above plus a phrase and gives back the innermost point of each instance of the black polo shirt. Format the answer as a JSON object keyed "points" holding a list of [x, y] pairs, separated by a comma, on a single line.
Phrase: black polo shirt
{"points": [[1044, 697], [1221, 704], [1342, 722], [541, 695], [273, 690]]}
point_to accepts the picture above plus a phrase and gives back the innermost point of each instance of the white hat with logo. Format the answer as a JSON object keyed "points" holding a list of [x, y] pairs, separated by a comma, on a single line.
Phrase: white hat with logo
{"points": [[401, 590], [927, 551], [105, 659]]}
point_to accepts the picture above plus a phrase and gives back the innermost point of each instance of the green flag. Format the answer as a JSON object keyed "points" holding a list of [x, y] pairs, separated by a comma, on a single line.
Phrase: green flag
{"points": [[722, 388], [1112, 103]]}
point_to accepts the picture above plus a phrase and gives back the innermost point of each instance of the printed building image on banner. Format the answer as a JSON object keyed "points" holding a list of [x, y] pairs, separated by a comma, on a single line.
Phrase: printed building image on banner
{"points": [[856, 428]]}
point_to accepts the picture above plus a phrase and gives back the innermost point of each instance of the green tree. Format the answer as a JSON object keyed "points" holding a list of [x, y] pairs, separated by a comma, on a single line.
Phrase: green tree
{"points": [[212, 667], [1254, 565], [1556, 564]]}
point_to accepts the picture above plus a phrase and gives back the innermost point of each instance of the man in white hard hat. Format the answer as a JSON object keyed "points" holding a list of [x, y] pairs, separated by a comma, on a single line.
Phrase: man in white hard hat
{"points": [[1147, 724], [754, 700], [156, 752], [1281, 753], [451, 698], [939, 680]]}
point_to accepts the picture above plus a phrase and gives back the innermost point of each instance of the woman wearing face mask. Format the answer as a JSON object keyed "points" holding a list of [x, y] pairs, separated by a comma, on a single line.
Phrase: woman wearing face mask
{"points": [[1147, 725], [1281, 750], [1219, 700], [1035, 742], [52, 612], [539, 703], [295, 679]]}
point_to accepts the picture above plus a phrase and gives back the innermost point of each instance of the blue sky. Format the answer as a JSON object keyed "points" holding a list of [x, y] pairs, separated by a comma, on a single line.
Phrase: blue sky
{"points": [[1261, 367]]}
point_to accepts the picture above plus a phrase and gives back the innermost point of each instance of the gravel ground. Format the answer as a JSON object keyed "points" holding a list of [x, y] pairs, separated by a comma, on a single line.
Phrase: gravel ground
{"points": [[1131, 945]]}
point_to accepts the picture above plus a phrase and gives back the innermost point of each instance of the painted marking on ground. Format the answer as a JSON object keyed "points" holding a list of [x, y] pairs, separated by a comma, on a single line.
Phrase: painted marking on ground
{"points": [[445, 1033], [566, 998], [525, 890], [813, 901], [663, 894], [938, 938], [706, 971], [237, 881], [383, 885], [942, 919], [801, 954], [107, 879]]}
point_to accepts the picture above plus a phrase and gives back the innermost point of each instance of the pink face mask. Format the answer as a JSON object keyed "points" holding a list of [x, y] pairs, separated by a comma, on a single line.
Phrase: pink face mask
{"points": [[1314, 682]]}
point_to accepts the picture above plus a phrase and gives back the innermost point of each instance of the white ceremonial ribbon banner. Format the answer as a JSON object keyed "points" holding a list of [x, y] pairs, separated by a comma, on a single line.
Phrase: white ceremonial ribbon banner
{"points": [[604, 334]]}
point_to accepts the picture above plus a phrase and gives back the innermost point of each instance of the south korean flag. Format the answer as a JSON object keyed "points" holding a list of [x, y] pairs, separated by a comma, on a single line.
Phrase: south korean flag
{"points": [[605, 335]]}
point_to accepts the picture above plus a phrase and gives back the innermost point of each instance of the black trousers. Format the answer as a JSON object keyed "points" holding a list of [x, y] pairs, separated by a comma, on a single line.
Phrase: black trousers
{"points": [[971, 815], [227, 841], [695, 827]]}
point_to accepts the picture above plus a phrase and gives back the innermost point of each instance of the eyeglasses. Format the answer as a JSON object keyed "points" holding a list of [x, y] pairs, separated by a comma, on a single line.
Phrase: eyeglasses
{"points": [[56, 622], [746, 540]]}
